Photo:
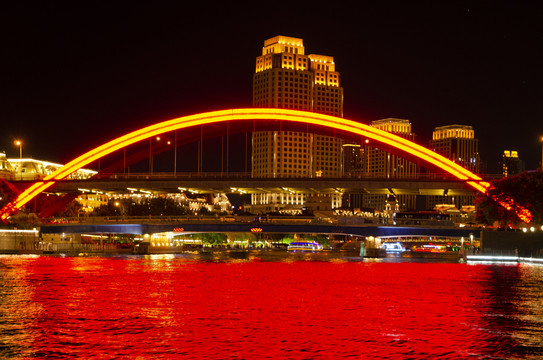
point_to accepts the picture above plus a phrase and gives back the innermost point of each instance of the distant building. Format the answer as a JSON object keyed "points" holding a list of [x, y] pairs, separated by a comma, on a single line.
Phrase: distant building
{"points": [[320, 204], [352, 159], [378, 163], [6, 170], [458, 144], [285, 77], [91, 201], [32, 169], [511, 164], [192, 203], [279, 154], [382, 164]]}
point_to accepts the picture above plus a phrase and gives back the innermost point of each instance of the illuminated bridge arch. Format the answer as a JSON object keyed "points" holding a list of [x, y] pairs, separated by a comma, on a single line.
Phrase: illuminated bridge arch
{"points": [[250, 114]]}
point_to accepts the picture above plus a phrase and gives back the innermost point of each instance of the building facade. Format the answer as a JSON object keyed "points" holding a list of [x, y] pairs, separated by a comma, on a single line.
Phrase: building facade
{"points": [[511, 164], [285, 77], [352, 160], [384, 165], [378, 163], [458, 144], [32, 169]]}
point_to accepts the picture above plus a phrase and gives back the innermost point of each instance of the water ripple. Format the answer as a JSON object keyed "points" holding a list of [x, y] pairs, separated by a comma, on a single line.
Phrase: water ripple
{"points": [[266, 307]]}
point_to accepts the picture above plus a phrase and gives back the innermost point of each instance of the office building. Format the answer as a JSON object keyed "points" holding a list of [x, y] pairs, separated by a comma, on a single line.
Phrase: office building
{"points": [[458, 144], [511, 164], [380, 164], [285, 77], [352, 160]]}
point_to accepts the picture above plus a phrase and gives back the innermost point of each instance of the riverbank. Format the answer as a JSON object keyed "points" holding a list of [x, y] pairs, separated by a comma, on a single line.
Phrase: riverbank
{"points": [[213, 254]]}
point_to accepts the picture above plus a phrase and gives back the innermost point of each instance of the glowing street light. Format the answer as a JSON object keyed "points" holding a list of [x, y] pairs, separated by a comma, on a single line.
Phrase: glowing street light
{"points": [[541, 139], [151, 155], [19, 143]]}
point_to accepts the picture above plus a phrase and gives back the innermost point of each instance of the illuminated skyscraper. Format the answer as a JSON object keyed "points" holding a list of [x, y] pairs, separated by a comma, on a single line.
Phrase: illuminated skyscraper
{"points": [[379, 163], [457, 143], [285, 77], [382, 164], [511, 164], [352, 159]]}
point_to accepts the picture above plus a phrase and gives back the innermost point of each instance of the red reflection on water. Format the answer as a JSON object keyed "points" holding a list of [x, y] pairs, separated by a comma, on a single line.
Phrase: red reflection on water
{"points": [[168, 308]]}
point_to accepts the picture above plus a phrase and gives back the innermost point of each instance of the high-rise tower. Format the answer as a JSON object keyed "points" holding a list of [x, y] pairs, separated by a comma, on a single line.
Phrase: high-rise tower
{"points": [[457, 143], [383, 164], [511, 164], [285, 77], [378, 163]]}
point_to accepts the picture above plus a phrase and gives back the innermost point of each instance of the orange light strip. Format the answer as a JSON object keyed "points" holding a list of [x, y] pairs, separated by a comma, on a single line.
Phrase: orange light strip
{"points": [[246, 114]]}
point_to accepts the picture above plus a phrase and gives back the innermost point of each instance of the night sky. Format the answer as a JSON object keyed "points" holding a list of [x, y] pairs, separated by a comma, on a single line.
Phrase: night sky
{"points": [[77, 74]]}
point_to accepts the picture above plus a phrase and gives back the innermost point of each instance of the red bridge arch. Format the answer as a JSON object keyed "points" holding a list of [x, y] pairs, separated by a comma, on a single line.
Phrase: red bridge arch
{"points": [[250, 114]]}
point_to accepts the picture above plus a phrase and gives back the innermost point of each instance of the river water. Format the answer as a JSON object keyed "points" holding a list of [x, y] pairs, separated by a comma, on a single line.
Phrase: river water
{"points": [[267, 305]]}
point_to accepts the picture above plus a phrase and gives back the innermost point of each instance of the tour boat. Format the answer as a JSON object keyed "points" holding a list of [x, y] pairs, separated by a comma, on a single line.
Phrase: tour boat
{"points": [[304, 246]]}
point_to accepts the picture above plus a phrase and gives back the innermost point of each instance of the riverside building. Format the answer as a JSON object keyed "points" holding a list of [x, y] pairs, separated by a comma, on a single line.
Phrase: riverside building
{"points": [[511, 164], [456, 143], [285, 77], [381, 164]]}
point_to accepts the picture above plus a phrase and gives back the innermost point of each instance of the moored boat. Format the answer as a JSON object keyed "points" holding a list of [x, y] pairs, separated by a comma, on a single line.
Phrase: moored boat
{"points": [[304, 246]]}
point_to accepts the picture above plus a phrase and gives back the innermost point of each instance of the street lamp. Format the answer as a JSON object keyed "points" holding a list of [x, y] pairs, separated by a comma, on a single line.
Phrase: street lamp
{"points": [[19, 143], [151, 155], [541, 139]]}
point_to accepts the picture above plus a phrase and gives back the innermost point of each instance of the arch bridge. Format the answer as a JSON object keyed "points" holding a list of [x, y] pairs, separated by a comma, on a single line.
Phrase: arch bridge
{"points": [[251, 117]]}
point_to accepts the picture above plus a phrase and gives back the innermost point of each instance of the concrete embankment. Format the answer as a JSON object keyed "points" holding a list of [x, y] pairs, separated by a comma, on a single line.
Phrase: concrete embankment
{"points": [[519, 243]]}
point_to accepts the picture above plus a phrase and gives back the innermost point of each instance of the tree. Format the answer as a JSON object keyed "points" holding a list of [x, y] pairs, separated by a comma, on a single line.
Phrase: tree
{"points": [[321, 239], [107, 210], [164, 206], [242, 237], [128, 207], [8, 193], [518, 192], [213, 238], [72, 210]]}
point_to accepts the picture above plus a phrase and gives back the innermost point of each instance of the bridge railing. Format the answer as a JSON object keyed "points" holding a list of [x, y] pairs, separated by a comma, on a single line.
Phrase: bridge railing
{"points": [[254, 220], [171, 175], [248, 175], [181, 219], [71, 247]]}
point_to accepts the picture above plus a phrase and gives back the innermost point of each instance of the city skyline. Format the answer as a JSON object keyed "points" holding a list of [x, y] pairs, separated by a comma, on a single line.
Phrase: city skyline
{"points": [[90, 73]]}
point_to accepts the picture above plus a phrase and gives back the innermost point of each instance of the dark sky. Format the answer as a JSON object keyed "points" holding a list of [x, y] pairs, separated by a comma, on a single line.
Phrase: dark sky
{"points": [[76, 74]]}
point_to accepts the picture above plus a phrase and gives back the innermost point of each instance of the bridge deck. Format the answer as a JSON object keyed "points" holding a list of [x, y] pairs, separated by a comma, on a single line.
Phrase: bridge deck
{"points": [[191, 226], [218, 184]]}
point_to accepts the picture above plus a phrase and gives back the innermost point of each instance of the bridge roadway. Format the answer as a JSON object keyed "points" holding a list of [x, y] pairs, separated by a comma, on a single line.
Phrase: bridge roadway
{"points": [[191, 225], [215, 183]]}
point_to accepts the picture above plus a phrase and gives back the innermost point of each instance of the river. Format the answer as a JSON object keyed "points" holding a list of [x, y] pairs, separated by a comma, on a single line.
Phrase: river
{"points": [[258, 304]]}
